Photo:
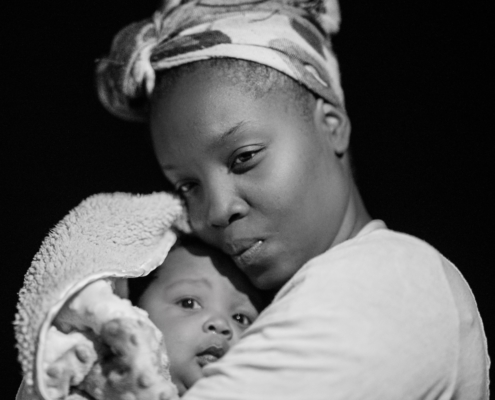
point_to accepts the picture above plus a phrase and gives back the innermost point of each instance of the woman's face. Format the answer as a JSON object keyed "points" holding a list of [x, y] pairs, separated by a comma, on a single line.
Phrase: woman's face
{"points": [[260, 181]]}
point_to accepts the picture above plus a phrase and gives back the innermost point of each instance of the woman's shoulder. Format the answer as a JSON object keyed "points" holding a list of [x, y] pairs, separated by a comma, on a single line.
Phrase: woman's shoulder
{"points": [[377, 250], [380, 241], [396, 286], [377, 266]]}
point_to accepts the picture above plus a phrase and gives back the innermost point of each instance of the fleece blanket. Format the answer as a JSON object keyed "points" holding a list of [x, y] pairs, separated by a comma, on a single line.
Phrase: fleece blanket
{"points": [[107, 236]]}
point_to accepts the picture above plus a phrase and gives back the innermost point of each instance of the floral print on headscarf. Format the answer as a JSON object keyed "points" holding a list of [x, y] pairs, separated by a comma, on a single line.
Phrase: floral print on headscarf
{"points": [[290, 36]]}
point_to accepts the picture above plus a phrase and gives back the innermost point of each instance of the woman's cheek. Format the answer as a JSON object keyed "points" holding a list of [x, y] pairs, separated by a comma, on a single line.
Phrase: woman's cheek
{"points": [[197, 216], [274, 185]]}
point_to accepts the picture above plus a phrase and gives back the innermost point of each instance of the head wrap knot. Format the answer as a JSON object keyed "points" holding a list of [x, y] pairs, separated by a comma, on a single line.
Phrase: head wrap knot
{"points": [[291, 36]]}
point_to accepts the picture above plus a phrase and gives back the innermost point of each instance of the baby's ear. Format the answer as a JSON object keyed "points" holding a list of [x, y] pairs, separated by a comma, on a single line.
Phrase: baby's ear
{"points": [[333, 122]]}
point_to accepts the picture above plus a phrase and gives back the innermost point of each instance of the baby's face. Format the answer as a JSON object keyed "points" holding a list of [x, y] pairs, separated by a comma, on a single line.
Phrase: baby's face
{"points": [[202, 304]]}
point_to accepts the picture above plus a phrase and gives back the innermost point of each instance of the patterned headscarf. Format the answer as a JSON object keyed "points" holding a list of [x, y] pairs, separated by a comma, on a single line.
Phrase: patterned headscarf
{"points": [[291, 36]]}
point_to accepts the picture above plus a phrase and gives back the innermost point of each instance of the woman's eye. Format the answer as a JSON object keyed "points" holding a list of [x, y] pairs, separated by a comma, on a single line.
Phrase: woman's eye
{"points": [[244, 157], [189, 303], [184, 188], [242, 319]]}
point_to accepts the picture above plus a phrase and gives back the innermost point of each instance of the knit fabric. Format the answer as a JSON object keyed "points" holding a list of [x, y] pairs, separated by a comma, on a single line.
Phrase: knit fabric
{"points": [[291, 36]]}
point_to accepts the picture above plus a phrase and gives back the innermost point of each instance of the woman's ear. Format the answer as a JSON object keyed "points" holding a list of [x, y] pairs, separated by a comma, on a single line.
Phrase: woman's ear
{"points": [[333, 122]]}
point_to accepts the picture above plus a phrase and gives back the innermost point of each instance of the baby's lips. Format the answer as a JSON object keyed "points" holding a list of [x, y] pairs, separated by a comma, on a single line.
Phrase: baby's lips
{"points": [[205, 359], [211, 354]]}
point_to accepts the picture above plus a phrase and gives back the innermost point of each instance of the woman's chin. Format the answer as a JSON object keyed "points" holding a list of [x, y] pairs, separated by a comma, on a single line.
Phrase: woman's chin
{"points": [[266, 280]]}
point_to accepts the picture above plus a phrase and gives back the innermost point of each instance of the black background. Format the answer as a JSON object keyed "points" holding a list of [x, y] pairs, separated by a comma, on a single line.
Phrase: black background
{"points": [[418, 92]]}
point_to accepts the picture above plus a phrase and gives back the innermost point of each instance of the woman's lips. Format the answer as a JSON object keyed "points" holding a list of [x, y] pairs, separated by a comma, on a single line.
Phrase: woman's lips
{"points": [[248, 255]]}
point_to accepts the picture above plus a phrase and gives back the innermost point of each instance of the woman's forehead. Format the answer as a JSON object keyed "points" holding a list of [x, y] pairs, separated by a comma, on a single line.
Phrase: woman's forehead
{"points": [[200, 90], [206, 98], [194, 106]]}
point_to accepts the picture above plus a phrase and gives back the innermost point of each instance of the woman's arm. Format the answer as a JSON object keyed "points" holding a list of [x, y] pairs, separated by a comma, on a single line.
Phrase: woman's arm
{"points": [[372, 320]]}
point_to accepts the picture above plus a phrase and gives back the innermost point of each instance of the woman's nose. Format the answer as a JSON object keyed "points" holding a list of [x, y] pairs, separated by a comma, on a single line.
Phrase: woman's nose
{"points": [[218, 325], [224, 206]]}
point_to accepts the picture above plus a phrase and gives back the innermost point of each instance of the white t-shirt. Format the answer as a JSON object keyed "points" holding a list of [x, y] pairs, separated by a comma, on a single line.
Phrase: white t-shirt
{"points": [[381, 316]]}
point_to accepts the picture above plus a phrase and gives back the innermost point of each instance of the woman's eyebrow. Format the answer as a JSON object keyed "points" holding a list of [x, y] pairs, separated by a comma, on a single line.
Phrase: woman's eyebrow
{"points": [[215, 143], [225, 134], [232, 130]]}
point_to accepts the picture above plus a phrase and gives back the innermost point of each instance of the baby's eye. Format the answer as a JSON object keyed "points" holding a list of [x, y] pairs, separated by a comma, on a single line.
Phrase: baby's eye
{"points": [[189, 303], [242, 319]]}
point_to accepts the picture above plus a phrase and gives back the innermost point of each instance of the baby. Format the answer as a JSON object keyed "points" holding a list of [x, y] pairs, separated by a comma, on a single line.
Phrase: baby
{"points": [[202, 304], [97, 345]]}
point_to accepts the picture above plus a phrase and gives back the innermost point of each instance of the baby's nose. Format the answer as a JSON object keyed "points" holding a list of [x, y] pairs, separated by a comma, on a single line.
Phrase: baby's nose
{"points": [[219, 326]]}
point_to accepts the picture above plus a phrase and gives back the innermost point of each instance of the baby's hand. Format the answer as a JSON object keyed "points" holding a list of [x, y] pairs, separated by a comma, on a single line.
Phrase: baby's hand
{"points": [[111, 351]]}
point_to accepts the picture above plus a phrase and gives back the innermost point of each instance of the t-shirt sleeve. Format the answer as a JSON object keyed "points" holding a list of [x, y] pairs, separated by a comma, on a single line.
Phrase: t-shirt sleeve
{"points": [[372, 319]]}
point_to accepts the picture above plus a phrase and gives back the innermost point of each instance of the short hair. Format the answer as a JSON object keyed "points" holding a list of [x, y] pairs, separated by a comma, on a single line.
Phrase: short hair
{"points": [[137, 286], [251, 77]]}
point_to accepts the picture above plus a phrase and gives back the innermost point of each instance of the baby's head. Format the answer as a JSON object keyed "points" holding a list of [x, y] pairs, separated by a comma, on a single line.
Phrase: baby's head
{"points": [[202, 303]]}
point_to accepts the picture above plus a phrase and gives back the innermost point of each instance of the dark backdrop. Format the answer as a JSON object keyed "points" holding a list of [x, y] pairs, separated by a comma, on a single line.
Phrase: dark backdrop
{"points": [[418, 93]]}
